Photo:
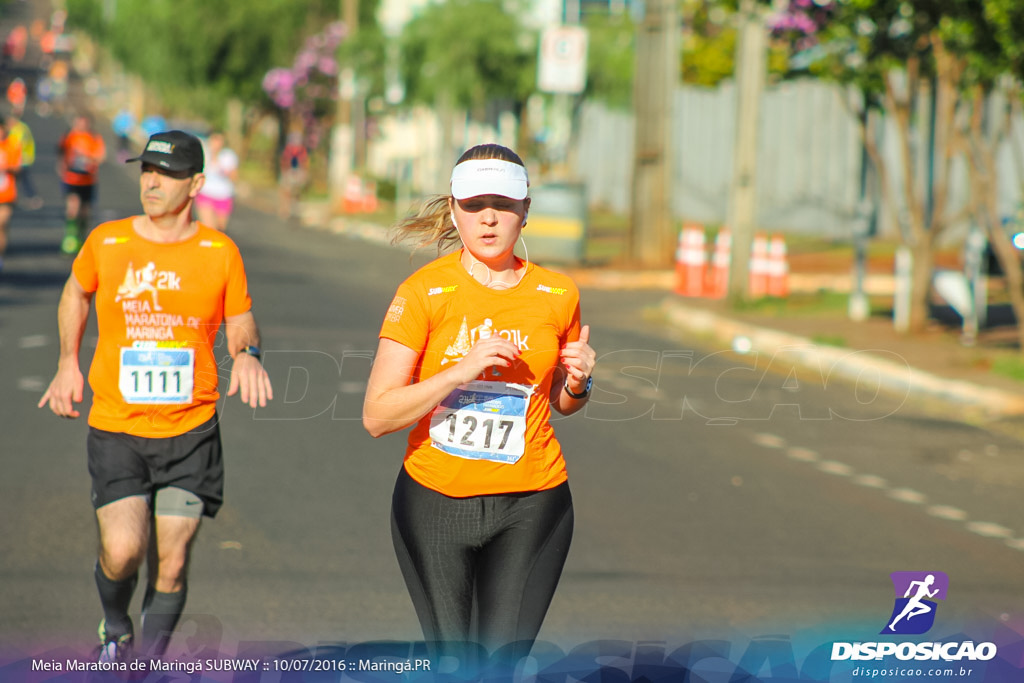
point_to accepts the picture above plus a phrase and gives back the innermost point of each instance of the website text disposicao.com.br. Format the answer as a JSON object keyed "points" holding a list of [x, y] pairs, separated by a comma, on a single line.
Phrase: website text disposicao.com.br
{"points": [[904, 673], [912, 657]]}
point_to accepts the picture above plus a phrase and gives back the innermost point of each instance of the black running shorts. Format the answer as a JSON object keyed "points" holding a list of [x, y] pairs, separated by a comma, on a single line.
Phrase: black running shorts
{"points": [[87, 193], [123, 465]]}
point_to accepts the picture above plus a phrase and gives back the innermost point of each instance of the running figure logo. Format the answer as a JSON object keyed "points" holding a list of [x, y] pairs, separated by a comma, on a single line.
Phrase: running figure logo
{"points": [[138, 281], [914, 612]]}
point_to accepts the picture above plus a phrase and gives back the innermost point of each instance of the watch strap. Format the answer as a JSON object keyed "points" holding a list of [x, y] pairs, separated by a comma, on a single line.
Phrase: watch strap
{"points": [[586, 390]]}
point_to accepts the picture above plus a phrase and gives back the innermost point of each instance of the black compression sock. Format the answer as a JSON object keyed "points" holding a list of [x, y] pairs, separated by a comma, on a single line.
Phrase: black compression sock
{"points": [[115, 596], [160, 614]]}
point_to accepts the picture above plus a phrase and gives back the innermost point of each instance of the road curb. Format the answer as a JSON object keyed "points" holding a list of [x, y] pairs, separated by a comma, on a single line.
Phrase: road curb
{"points": [[877, 368]]}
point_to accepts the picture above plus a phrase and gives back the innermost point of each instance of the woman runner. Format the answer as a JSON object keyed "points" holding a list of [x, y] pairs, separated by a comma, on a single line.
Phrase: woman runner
{"points": [[476, 349]]}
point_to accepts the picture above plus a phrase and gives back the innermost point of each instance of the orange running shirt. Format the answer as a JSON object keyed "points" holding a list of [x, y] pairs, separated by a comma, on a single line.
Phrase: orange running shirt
{"points": [[10, 159], [494, 435], [82, 152], [158, 307]]}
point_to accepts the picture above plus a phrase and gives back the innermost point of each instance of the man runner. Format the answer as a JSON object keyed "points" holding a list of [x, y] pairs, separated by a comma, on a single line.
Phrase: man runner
{"points": [[81, 151], [154, 446]]}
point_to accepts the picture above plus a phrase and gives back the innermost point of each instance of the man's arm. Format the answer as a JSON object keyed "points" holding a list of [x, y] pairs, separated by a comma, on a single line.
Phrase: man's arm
{"points": [[248, 378], [68, 384]]}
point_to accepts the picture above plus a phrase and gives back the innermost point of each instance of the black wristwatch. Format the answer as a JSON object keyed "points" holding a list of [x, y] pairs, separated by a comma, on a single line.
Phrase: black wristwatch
{"points": [[586, 390], [252, 350]]}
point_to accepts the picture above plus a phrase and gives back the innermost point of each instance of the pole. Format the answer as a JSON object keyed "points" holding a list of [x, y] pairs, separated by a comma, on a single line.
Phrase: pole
{"points": [[652, 237], [343, 144], [750, 76]]}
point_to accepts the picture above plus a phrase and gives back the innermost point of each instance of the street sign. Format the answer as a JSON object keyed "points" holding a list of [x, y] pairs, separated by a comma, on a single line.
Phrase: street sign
{"points": [[562, 66]]}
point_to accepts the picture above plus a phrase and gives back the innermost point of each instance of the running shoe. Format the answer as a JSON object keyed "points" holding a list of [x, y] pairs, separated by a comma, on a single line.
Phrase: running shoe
{"points": [[70, 245], [116, 649]]}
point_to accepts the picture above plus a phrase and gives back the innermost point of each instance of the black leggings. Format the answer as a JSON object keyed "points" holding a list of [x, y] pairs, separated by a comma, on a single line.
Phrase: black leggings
{"points": [[507, 550]]}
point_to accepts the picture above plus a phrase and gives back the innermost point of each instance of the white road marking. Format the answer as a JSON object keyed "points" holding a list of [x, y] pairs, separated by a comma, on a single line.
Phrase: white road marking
{"points": [[989, 530], [33, 341], [352, 387], [905, 495], [871, 481], [769, 440], [32, 384], [802, 454], [837, 468], [947, 512], [649, 394], [908, 496]]}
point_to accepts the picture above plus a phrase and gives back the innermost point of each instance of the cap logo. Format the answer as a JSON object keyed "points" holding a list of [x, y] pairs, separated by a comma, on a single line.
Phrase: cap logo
{"points": [[160, 146], [475, 177]]}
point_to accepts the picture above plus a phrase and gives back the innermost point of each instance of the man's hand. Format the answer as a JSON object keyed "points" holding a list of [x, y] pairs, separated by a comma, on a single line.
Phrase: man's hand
{"points": [[65, 390], [250, 380]]}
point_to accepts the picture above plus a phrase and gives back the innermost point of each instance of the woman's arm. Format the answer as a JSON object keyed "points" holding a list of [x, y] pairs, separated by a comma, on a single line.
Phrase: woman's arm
{"points": [[392, 403]]}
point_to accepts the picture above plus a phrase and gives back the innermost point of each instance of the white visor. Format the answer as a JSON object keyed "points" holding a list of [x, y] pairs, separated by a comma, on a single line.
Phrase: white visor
{"points": [[476, 177]]}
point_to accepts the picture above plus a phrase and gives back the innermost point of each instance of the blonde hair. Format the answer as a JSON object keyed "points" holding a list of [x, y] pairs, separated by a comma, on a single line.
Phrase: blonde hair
{"points": [[432, 223]]}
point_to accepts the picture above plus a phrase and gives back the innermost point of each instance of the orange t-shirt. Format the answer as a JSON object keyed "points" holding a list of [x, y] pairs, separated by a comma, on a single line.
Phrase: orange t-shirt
{"points": [[10, 159], [493, 435], [158, 307], [82, 152]]}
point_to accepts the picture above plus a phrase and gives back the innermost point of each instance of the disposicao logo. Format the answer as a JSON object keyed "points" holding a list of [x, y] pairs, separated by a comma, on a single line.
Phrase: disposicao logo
{"points": [[915, 607], [913, 613]]}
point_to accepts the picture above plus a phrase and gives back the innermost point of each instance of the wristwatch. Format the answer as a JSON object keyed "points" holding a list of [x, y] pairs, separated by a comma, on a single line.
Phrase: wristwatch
{"points": [[252, 350], [586, 390]]}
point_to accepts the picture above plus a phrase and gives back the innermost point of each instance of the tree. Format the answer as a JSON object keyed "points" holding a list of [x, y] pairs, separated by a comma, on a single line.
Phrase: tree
{"points": [[198, 54], [467, 52], [610, 55], [922, 63]]}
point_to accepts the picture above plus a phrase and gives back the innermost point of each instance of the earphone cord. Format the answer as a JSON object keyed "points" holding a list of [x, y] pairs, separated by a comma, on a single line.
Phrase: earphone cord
{"points": [[498, 284], [488, 283]]}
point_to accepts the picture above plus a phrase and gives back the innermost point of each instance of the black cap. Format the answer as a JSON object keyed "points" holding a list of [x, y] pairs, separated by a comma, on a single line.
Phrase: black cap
{"points": [[174, 150]]}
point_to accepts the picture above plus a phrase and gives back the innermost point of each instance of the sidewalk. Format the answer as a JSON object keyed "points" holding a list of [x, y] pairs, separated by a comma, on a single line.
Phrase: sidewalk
{"points": [[934, 366]]}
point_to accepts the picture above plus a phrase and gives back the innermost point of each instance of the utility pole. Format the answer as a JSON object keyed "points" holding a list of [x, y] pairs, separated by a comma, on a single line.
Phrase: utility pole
{"points": [[343, 137], [750, 77], [652, 238]]}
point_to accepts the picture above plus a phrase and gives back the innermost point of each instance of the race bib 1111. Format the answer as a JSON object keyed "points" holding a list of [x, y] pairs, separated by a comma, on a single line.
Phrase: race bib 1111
{"points": [[150, 373]]}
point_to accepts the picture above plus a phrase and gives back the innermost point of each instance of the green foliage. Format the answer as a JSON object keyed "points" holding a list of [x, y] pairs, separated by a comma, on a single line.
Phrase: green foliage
{"points": [[213, 50], [1009, 366], [1007, 21], [708, 59], [466, 52], [867, 38], [610, 57], [709, 47]]}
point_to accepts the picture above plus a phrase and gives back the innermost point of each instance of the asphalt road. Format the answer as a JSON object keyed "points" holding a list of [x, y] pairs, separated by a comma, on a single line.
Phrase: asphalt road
{"points": [[712, 500]]}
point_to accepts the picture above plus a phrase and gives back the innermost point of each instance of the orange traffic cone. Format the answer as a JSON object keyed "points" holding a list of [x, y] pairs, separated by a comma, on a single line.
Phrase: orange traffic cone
{"points": [[778, 268], [369, 199], [758, 274], [352, 199], [690, 261], [716, 286]]}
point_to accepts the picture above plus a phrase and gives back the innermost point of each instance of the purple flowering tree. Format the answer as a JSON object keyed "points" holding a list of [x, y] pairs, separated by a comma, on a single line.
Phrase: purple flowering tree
{"points": [[303, 92]]}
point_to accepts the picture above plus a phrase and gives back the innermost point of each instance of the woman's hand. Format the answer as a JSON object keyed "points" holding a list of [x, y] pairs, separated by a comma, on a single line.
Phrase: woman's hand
{"points": [[493, 352], [579, 360]]}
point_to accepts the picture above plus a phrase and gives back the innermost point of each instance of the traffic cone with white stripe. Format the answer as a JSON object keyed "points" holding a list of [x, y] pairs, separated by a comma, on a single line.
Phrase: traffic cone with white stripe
{"points": [[690, 261], [716, 285], [778, 267], [758, 273]]}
